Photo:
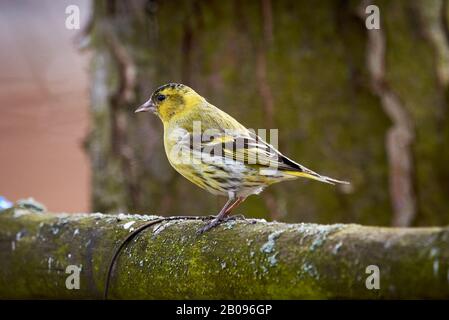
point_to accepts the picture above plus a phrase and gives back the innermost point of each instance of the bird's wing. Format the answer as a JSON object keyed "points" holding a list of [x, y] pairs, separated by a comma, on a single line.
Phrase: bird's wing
{"points": [[246, 147], [242, 146]]}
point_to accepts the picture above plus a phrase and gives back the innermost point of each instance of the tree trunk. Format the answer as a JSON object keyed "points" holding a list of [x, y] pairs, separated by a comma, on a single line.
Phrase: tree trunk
{"points": [[307, 69], [242, 259]]}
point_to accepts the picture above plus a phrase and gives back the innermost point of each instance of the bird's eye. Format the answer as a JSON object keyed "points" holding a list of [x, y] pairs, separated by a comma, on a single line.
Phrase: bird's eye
{"points": [[161, 97]]}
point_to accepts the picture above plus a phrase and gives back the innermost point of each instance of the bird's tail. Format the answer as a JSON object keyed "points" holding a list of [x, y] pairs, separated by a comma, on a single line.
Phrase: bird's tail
{"points": [[309, 174]]}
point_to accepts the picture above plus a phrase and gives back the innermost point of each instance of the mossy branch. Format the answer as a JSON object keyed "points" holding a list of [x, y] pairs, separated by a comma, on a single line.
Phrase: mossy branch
{"points": [[242, 259]]}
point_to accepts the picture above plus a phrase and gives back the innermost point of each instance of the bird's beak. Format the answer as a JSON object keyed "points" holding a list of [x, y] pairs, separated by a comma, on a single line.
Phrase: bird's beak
{"points": [[147, 106]]}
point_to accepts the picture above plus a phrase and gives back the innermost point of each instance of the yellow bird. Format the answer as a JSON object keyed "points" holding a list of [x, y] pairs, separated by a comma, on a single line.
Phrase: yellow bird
{"points": [[214, 151]]}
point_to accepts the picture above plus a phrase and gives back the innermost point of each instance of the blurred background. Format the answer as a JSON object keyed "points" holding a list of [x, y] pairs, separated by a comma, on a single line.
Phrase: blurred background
{"points": [[44, 105], [368, 106]]}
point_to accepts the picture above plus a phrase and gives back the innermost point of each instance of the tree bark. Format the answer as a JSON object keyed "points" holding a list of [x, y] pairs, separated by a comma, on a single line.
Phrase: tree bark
{"points": [[400, 137], [243, 259]]}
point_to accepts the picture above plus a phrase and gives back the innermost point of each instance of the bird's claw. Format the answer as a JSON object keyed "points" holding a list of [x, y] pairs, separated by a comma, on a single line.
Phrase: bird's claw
{"points": [[209, 226], [217, 221]]}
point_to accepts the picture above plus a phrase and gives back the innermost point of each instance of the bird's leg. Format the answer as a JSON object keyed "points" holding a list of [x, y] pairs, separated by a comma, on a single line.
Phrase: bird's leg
{"points": [[230, 204], [217, 220], [235, 205]]}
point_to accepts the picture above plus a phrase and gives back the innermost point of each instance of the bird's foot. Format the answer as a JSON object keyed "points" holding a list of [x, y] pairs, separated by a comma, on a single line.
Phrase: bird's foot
{"points": [[215, 222]]}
